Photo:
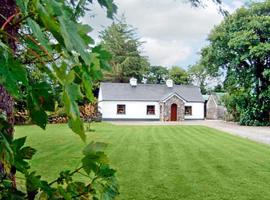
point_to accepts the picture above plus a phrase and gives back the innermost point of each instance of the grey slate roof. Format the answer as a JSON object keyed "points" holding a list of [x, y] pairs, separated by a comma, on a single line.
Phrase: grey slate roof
{"points": [[148, 92]]}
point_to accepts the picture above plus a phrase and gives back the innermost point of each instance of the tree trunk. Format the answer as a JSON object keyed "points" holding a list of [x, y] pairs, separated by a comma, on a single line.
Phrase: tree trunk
{"points": [[6, 108], [8, 9]]}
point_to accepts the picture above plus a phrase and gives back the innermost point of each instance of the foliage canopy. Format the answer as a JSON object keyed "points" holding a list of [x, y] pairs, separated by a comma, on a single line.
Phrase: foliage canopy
{"points": [[120, 40], [240, 47]]}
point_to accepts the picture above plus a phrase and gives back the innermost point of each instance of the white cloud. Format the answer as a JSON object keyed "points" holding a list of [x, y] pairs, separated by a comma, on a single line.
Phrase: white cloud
{"points": [[165, 53], [173, 31], [169, 19]]}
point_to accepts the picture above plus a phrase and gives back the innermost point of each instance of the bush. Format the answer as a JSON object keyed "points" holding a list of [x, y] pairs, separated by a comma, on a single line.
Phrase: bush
{"points": [[245, 109]]}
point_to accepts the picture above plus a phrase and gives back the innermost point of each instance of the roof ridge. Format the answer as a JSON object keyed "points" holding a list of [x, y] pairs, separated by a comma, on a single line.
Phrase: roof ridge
{"points": [[152, 84]]}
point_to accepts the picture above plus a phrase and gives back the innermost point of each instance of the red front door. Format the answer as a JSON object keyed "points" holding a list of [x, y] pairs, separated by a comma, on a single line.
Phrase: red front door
{"points": [[174, 112]]}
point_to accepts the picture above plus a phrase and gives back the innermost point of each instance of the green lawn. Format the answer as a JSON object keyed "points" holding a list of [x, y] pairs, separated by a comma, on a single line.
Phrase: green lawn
{"points": [[163, 162]]}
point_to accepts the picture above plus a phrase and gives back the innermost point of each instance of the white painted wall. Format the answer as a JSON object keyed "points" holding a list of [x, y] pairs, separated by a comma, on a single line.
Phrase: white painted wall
{"points": [[197, 111], [137, 109], [134, 110]]}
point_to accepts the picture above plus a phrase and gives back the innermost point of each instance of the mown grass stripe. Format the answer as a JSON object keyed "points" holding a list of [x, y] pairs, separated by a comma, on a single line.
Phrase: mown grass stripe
{"points": [[163, 162]]}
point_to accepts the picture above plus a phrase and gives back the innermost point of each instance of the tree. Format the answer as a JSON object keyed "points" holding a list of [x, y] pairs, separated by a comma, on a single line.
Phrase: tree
{"points": [[240, 47], [178, 75], [120, 40], [199, 76], [156, 75], [219, 88], [45, 36]]}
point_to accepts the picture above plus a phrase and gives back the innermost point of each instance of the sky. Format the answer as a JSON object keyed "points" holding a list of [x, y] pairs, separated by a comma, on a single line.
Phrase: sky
{"points": [[173, 32]]}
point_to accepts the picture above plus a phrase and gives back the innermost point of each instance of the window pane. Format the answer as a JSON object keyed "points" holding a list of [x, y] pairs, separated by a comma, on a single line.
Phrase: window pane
{"points": [[121, 109], [188, 110], [150, 110]]}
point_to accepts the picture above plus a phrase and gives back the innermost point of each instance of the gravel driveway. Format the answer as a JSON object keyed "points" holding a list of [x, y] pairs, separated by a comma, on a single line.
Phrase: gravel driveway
{"points": [[259, 134]]}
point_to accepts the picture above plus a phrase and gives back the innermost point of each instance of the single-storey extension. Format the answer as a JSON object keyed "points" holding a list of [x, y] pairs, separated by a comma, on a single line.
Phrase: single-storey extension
{"points": [[215, 108], [164, 102]]}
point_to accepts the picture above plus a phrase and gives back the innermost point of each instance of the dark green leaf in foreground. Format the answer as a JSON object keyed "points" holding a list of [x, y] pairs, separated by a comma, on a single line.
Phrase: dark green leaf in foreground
{"points": [[12, 74], [70, 96]]}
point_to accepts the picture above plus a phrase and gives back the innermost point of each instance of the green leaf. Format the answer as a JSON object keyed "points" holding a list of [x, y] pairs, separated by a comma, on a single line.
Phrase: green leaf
{"points": [[27, 153], [21, 165], [110, 189], [88, 88], [38, 33], [39, 117], [106, 172], [22, 4], [73, 39], [76, 124], [94, 157], [94, 147], [111, 7], [64, 76], [37, 113], [33, 182], [70, 96], [89, 164], [84, 30], [42, 93], [62, 191], [76, 188], [39, 100], [12, 75], [18, 143], [49, 22], [21, 154]]}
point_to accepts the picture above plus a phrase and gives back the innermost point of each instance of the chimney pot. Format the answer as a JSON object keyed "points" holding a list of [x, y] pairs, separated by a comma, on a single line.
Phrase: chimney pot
{"points": [[169, 83], [133, 82]]}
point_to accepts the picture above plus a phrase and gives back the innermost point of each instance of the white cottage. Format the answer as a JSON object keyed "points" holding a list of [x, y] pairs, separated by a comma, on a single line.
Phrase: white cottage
{"points": [[164, 102]]}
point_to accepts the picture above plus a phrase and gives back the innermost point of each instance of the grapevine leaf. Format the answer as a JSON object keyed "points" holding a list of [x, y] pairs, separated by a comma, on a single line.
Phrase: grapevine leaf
{"points": [[42, 92], [70, 96], [12, 74], [27, 153], [94, 156], [38, 116], [49, 23], [111, 7], [22, 4], [89, 164], [18, 143], [87, 84], [105, 171], [94, 147], [38, 33], [72, 38], [39, 100], [21, 154]]}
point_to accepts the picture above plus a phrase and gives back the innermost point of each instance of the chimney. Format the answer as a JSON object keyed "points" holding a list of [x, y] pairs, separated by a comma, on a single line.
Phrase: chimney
{"points": [[133, 82], [169, 83]]}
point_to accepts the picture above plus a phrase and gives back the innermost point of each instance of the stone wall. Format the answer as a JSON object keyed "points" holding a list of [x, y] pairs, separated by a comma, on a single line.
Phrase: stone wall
{"points": [[211, 108], [214, 111], [165, 111], [221, 111]]}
